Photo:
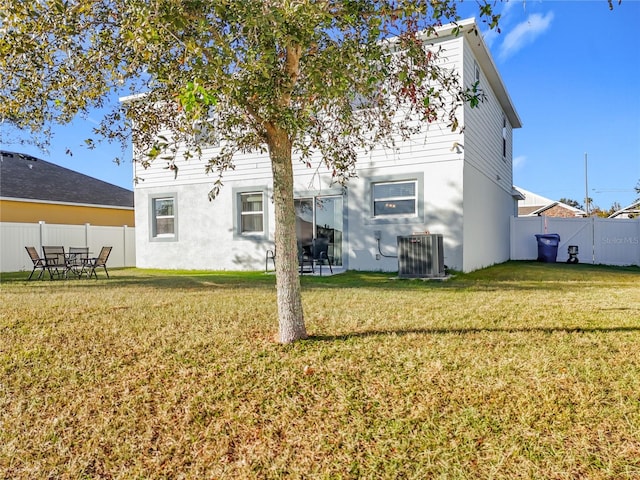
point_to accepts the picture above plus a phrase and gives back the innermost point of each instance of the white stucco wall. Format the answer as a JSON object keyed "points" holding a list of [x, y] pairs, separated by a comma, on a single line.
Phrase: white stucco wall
{"points": [[487, 212], [205, 237]]}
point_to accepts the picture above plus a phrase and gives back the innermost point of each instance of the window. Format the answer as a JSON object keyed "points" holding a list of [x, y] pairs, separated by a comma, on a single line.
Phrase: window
{"points": [[476, 72], [251, 213], [163, 217], [394, 199], [504, 137]]}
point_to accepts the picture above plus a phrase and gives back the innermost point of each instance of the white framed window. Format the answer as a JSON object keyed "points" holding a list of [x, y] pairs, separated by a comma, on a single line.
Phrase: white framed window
{"points": [[251, 213], [163, 217], [504, 137], [395, 199], [476, 72]]}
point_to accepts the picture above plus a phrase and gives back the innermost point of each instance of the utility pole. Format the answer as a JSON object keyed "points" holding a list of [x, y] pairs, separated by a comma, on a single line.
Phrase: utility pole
{"points": [[586, 184]]}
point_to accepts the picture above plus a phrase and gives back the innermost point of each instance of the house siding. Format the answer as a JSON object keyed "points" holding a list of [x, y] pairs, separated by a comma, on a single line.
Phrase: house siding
{"points": [[483, 132], [488, 175]]}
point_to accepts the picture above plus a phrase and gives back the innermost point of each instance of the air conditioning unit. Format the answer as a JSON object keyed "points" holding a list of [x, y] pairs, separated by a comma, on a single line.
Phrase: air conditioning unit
{"points": [[420, 256]]}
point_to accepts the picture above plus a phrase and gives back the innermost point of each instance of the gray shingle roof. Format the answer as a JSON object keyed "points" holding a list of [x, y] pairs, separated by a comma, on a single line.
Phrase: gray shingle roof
{"points": [[24, 176]]}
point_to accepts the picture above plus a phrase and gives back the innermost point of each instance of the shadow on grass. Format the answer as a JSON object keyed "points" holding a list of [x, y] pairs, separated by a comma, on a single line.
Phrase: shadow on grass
{"points": [[467, 331], [150, 278], [519, 276]]}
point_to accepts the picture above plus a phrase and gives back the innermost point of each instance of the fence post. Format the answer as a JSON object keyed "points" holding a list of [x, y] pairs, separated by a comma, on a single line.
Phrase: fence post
{"points": [[41, 223], [124, 245], [593, 239], [637, 242], [512, 237]]}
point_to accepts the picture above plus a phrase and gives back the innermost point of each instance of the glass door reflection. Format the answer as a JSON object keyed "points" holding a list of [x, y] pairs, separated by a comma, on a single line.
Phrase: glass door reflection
{"points": [[321, 217]]}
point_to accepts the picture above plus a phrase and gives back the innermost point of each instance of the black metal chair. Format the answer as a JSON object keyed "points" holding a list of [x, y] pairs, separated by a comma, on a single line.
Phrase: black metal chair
{"points": [[315, 254], [38, 262], [305, 258], [321, 253], [270, 255], [55, 261], [76, 258], [91, 264]]}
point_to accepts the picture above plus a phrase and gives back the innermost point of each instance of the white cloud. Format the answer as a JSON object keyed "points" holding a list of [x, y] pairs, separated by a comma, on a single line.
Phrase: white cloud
{"points": [[525, 33], [506, 16], [519, 161], [489, 37], [507, 6]]}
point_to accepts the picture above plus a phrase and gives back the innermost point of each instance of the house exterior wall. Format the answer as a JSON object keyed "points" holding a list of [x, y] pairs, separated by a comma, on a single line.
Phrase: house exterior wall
{"points": [[487, 210], [463, 193], [488, 174], [206, 237], [35, 211]]}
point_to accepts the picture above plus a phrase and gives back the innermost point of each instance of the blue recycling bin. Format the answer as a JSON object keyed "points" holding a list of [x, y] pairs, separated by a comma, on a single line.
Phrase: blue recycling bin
{"points": [[548, 247]]}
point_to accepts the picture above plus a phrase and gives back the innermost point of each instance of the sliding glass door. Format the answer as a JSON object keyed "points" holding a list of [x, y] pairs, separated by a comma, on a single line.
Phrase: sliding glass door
{"points": [[321, 217]]}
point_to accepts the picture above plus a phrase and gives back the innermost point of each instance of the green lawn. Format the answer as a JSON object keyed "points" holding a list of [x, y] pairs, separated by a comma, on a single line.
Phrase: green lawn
{"points": [[522, 370]]}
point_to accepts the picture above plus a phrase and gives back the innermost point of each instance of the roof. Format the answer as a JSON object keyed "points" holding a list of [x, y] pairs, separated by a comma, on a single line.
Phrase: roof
{"points": [[531, 199], [525, 211], [633, 210], [535, 205], [576, 212], [29, 178]]}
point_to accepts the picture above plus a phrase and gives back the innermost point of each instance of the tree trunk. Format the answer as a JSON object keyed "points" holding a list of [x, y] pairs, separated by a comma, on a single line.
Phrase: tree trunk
{"points": [[290, 316]]}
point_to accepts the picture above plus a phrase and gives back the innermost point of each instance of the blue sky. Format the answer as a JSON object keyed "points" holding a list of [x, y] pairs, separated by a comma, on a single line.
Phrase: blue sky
{"points": [[572, 69]]}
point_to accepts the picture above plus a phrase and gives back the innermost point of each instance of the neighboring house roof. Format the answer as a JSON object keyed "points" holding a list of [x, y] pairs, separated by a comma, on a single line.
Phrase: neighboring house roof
{"points": [[534, 205], [532, 199], [558, 209], [24, 177], [525, 211], [630, 211]]}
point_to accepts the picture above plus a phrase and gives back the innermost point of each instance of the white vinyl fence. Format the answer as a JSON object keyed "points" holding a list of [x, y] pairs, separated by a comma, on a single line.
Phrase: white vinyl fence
{"points": [[607, 241], [599, 240], [15, 236]]}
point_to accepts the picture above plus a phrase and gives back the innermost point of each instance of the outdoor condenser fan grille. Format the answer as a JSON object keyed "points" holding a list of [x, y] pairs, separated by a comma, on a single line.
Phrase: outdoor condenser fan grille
{"points": [[420, 256]]}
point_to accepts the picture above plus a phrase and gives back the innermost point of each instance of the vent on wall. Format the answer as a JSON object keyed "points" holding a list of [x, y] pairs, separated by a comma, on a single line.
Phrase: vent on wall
{"points": [[420, 256]]}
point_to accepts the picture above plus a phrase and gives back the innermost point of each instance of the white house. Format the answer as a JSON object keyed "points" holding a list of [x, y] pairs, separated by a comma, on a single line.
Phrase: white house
{"points": [[452, 183], [630, 211]]}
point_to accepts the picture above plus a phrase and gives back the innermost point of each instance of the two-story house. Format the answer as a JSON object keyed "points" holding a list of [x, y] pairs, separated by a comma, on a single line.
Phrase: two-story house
{"points": [[458, 184]]}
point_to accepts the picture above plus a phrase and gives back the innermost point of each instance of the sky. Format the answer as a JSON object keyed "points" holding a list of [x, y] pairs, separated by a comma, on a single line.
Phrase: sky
{"points": [[572, 69]]}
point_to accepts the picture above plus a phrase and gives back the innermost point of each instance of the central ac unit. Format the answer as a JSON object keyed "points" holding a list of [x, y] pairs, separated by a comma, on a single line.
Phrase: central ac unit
{"points": [[420, 256]]}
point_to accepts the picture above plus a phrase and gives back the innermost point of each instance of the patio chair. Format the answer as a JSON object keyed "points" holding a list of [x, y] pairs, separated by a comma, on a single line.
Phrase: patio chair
{"points": [[305, 258], [77, 257], [38, 262], [270, 255], [55, 261], [91, 264], [321, 253], [315, 254]]}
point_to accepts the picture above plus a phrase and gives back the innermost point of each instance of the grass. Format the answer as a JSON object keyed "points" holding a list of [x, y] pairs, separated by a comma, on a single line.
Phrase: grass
{"points": [[522, 370]]}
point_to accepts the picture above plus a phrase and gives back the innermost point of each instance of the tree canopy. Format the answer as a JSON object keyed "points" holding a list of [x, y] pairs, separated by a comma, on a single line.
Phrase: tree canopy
{"points": [[300, 65], [283, 76]]}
